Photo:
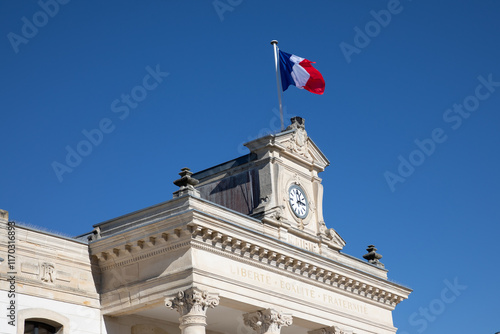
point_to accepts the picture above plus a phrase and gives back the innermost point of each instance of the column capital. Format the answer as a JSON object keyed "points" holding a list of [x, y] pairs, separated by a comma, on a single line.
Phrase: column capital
{"points": [[192, 301], [267, 321], [330, 330]]}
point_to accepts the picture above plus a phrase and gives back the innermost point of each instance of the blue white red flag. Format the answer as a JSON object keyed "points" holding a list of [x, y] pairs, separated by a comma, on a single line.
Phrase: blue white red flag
{"points": [[299, 72]]}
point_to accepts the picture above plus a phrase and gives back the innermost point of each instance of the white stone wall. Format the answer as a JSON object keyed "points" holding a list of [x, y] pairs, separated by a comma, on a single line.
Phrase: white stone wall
{"points": [[77, 319]]}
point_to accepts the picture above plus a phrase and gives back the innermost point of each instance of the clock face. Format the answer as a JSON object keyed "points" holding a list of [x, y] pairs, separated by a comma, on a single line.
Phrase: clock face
{"points": [[298, 201]]}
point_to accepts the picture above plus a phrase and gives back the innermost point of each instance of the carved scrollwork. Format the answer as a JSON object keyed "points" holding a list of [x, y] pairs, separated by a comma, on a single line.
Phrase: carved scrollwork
{"points": [[47, 273], [192, 301]]}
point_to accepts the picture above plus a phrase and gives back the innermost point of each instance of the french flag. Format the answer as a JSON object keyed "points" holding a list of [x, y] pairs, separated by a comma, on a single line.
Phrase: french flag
{"points": [[299, 72]]}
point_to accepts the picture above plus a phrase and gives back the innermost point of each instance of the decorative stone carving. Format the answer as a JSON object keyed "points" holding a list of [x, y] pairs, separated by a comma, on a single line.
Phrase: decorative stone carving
{"points": [[329, 233], [312, 206], [373, 257], [47, 273], [30, 268], [192, 305], [186, 184], [298, 142], [330, 330], [264, 200], [278, 212], [275, 212], [267, 321], [330, 237], [270, 257]]}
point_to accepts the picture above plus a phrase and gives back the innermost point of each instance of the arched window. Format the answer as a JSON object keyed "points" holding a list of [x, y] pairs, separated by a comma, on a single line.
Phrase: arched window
{"points": [[37, 327], [41, 321]]}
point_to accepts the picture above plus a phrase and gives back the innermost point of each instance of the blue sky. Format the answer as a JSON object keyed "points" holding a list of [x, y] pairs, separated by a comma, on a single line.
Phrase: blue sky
{"points": [[409, 120]]}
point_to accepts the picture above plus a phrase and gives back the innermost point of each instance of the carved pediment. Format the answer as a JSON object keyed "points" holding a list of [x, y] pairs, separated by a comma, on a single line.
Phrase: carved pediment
{"points": [[330, 237], [294, 143]]}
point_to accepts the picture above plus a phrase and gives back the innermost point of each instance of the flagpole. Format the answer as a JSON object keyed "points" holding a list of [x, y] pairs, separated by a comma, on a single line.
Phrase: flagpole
{"points": [[278, 80]]}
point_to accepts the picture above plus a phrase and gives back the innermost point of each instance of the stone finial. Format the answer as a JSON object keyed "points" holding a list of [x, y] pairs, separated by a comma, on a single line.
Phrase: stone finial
{"points": [[186, 184], [267, 321], [298, 143], [373, 257], [47, 272], [186, 180]]}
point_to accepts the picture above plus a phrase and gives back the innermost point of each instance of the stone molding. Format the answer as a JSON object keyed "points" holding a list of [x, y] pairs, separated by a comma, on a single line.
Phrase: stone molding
{"points": [[216, 241], [240, 248], [103, 256], [267, 321]]}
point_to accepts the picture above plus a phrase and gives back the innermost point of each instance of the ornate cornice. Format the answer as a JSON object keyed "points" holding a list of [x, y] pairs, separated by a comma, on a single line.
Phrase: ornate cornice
{"points": [[216, 241], [197, 235], [115, 255]]}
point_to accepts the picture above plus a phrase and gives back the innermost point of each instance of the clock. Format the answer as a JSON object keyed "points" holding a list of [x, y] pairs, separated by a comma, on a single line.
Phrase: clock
{"points": [[298, 201]]}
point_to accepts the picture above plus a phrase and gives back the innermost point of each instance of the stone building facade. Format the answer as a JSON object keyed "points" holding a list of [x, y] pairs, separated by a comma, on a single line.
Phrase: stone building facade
{"points": [[241, 248]]}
